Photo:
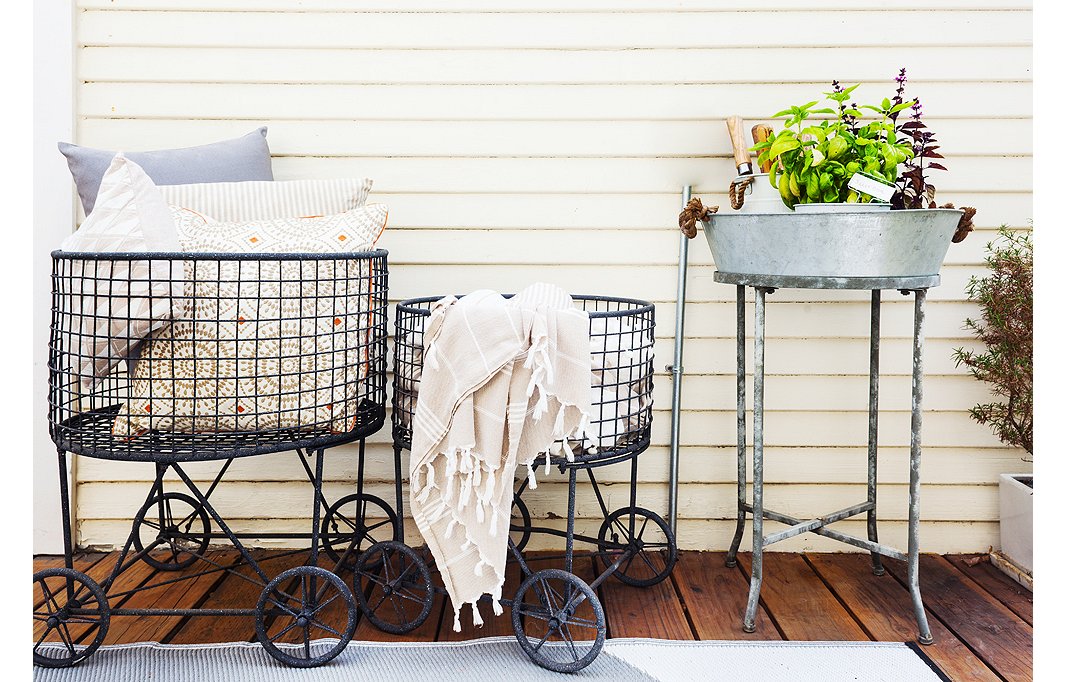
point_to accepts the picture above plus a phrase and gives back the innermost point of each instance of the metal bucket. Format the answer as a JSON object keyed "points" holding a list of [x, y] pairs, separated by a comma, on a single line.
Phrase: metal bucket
{"points": [[842, 208], [760, 196], [890, 244]]}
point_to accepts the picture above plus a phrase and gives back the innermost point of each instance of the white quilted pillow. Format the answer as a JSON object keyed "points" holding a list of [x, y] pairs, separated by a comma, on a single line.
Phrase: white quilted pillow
{"points": [[115, 303]]}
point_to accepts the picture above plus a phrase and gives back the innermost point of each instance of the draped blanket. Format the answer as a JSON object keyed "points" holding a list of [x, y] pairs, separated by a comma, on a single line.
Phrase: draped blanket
{"points": [[502, 380]]}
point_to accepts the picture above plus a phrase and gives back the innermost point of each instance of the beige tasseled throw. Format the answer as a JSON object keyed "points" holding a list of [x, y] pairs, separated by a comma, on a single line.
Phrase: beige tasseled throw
{"points": [[501, 381]]}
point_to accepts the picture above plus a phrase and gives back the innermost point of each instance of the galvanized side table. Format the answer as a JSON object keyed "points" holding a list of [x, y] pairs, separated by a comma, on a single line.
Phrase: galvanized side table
{"points": [[767, 284]]}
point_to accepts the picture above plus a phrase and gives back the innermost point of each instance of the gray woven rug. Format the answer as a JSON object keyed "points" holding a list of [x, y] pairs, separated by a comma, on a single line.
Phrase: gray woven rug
{"points": [[499, 659]]}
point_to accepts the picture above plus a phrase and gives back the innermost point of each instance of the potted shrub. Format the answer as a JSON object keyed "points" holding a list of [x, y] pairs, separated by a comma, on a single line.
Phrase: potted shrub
{"points": [[1006, 330], [861, 181]]}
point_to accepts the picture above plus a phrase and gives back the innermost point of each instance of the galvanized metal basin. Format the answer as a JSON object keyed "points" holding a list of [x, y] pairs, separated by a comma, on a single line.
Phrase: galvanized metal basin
{"points": [[888, 244]]}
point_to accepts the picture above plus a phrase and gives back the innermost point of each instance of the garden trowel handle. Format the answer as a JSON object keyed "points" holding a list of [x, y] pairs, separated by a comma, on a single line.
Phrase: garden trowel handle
{"points": [[761, 133], [741, 157]]}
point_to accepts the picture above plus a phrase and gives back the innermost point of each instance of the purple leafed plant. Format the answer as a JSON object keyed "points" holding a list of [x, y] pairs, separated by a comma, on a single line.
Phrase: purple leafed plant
{"points": [[913, 189]]}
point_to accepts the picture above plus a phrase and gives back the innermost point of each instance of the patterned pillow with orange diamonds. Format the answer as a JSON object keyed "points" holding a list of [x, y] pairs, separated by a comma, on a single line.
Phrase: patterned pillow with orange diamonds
{"points": [[267, 344]]}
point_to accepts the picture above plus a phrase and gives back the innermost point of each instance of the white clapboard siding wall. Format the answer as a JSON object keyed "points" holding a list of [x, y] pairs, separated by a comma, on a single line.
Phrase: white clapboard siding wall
{"points": [[518, 141]]}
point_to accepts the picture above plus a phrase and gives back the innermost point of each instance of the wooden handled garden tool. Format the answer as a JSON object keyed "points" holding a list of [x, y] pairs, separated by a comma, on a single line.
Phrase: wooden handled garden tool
{"points": [[741, 157], [761, 133]]}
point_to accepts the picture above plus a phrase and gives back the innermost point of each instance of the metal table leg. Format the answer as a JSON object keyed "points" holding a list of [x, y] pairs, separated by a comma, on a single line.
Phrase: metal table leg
{"points": [[871, 477], [742, 435], [757, 461], [924, 635], [820, 525]]}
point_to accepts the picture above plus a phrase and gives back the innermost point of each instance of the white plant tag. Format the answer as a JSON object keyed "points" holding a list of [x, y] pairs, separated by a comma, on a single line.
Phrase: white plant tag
{"points": [[872, 186]]}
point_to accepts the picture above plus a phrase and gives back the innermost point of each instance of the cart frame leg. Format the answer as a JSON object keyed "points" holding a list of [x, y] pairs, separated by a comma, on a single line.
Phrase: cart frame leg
{"points": [[396, 452], [64, 504], [570, 509]]}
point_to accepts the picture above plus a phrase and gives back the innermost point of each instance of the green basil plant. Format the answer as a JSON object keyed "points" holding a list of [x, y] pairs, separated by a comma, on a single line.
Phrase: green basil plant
{"points": [[813, 161]]}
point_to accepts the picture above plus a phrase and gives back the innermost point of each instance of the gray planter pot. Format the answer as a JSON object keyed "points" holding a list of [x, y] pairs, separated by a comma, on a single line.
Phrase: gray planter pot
{"points": [[1016, 519], [854, 244]]}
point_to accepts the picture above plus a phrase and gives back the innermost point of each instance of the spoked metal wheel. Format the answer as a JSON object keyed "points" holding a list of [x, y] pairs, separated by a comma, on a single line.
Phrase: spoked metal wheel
{"points": [[520, 523], [68, 606], [180, 525], [300, 613], [558, 621], [393, 587], [356, 521], [644, 543]]}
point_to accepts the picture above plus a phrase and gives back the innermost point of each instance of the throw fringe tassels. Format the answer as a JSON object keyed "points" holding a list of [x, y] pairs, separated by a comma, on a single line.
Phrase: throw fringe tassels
{"points": [[497, 607], [478, 621], [539, 360]]}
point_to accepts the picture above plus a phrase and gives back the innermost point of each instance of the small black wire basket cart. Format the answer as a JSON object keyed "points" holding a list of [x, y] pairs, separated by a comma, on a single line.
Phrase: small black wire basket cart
{"points": [[633, 544], [170, 359]]}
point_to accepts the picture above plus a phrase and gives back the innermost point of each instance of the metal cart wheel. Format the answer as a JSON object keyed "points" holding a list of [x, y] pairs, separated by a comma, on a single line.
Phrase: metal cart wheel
{"points": [[393, 587], [650, 536], [182, 525], [345, 524], [302, 609], [71, 605], [558, 607], [520, 532]]}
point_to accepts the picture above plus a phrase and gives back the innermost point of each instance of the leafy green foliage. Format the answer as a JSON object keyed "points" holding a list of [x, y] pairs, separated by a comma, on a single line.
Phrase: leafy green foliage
{"points": [[1006, 329], [813, 161]]}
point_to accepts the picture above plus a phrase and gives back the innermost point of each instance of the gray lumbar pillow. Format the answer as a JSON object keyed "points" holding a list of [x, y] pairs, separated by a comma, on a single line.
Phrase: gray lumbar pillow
{"points": [[242, 158]]}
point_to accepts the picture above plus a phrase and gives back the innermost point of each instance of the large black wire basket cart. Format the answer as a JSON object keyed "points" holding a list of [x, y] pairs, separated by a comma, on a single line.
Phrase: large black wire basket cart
{"points": [[211, 357], [558, 619]]}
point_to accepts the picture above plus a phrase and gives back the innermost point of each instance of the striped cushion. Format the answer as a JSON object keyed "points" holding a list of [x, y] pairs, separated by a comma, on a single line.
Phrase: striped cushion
{"points": [[256, 200]]}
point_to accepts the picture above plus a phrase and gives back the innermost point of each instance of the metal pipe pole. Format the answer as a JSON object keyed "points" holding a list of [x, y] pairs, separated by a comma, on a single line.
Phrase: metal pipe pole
{"points": [[675, 369]]}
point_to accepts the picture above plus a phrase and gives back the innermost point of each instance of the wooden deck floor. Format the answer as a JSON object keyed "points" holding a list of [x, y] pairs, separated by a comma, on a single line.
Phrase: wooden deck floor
{"points": [[981, 620]]}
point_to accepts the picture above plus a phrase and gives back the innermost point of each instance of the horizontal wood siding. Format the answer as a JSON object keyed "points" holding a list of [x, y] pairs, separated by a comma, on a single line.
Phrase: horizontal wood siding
{"points": [[519, 141]]}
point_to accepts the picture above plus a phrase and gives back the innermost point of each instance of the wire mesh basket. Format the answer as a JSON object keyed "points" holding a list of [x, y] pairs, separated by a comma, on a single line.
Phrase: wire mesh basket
{"points": [[622, 334], [178, 357]]}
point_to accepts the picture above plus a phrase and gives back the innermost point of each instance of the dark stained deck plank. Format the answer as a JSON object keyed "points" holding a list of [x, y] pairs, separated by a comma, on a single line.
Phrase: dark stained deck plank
{"points": [[715, 597], [44, 561], [883, 607], [234, 593], [366, 631], [1014, 595], [185, 594], [800, 603], [132, 576], [1002, 639], [975, 619], [81, 562], [653, 611]]}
